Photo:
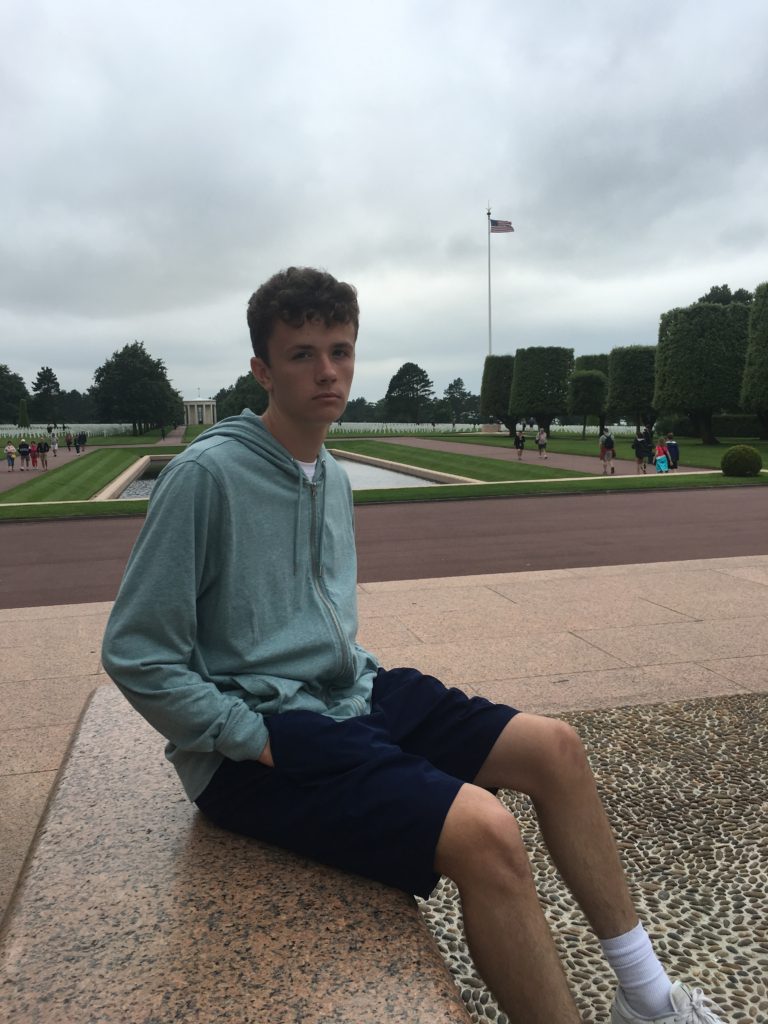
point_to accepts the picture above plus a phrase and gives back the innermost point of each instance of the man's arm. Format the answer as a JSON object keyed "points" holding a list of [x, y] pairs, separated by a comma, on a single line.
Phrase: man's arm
{"points": [[150, 638]]}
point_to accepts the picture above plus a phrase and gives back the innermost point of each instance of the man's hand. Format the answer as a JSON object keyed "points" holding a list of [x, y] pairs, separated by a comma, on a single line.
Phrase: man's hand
{"points": [[265, 757]]}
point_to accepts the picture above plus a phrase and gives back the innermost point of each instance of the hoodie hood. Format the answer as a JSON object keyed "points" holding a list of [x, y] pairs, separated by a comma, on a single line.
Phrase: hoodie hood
{"points": [[248, 429]]}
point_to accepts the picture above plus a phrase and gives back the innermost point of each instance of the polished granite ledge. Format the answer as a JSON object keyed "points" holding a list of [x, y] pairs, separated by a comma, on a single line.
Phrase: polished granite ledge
{"points": [[132, 909]]}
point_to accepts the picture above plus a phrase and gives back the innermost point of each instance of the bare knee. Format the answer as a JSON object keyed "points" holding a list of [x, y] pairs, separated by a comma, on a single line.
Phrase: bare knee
{"points": [[480, 840], [564, 764], [538, 756], [567, 748]]}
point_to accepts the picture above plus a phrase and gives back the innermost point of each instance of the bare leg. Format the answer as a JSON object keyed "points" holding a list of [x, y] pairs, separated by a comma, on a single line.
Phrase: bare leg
{"points": [[481, 849], [544, 758]]}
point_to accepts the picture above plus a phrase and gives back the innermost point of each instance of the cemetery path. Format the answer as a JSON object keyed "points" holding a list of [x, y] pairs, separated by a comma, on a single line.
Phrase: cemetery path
{"points": [[556, 460]]}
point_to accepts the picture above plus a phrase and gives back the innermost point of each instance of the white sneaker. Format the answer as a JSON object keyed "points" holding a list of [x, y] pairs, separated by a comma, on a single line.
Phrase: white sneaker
{"points": [[691, 1006]]}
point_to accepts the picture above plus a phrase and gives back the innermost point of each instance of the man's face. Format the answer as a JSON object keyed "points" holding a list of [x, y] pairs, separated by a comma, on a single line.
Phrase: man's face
{"points": [[310, 372]]}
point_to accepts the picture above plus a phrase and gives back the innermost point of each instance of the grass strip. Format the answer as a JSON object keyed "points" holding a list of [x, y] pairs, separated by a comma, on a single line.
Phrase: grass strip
{"points": [[193, 430], [528, 489], [73, 510], [474, 467], [80, 479], [150, 437]]}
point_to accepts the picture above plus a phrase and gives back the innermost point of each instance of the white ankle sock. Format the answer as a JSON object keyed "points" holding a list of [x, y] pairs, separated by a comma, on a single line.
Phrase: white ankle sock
{"points": [[642, 979]]}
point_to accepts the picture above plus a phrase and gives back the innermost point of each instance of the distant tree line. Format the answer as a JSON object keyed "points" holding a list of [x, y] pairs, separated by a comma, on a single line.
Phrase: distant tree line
{"points": [[711, 359], [410, 398], [129, 387]]}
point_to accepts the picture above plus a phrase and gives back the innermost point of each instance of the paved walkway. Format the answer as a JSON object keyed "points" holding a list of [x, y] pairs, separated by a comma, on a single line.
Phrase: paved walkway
{"points": [[555, 460], [77, 561], [9, 480], [549, 641]]}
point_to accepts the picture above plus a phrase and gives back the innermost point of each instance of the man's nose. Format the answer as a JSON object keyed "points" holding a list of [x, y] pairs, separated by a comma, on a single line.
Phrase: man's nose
{"points": [[326, 368]]}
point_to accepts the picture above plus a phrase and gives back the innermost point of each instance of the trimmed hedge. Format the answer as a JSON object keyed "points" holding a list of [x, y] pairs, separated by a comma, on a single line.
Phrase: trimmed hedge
{"points": [[741, 460], [737, 424], [680, 425], [495, 389]]}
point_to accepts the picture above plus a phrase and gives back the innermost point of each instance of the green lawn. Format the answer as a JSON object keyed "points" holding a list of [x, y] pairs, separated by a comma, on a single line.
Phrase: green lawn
{"points": [[150, 437], [474, 467], [73, 510], [80, 479], [193, 430]]}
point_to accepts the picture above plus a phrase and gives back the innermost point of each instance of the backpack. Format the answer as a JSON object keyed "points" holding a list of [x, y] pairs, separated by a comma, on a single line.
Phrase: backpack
{"points": [[608, 443]]}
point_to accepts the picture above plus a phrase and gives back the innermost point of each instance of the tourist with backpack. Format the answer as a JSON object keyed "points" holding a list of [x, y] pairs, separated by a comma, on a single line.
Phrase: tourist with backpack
{"points": [[607, 451]]}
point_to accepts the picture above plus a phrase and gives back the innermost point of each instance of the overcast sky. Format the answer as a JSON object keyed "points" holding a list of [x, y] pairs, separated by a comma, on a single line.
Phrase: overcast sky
{"points": [[162, 159]]}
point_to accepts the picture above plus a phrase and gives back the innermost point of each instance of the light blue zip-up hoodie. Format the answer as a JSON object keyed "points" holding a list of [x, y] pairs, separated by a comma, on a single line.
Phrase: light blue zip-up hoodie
{"points": [[239, 600]]}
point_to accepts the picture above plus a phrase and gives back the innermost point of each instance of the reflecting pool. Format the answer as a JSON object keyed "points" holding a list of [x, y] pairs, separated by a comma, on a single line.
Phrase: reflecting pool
{"points": [[361, 476]]}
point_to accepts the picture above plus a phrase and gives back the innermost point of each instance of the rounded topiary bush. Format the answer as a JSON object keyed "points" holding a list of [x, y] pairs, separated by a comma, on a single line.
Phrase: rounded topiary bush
{"points": [[741, 460]]}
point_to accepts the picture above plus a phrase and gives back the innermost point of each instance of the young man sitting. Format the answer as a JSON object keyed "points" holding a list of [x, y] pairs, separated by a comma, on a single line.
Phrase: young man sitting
{"points": [[281, 726]]}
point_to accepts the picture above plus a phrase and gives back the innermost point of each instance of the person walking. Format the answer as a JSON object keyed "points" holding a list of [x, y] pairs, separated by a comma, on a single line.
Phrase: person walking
{"points": [[648, 444], [638, 446], [42, 449], [54, 443], [520, 443], [10, 456], [68, 440], [33, 453], [24, 455], [283, 727], [541, 442], [674, 451], [662, 456], [607, 448]]}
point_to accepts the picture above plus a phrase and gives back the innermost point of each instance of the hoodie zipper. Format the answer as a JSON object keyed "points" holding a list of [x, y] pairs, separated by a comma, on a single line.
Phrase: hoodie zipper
{"points": [[320, 587]]}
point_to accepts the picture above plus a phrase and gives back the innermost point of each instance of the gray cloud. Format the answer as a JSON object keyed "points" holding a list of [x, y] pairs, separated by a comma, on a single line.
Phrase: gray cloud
{"points": [[166, 158]]}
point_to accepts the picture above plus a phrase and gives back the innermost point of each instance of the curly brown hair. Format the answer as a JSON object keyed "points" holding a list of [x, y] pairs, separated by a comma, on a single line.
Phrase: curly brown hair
{"points": [[294, 296]]}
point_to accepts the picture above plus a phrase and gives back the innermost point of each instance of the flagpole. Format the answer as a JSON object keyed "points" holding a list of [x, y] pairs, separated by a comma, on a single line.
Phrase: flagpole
{"points": [[488, 214]]}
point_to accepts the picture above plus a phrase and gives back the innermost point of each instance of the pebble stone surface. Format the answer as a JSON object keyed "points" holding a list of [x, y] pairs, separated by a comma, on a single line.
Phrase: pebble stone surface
{"points": [[684, 785]]}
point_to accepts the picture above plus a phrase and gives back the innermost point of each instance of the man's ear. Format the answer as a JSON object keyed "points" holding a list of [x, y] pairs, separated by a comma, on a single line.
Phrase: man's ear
{"points": [[261, 372]]}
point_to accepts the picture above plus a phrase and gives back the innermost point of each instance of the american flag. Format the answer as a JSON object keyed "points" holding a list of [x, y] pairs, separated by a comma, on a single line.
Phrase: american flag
{"points": [[499, 227]]}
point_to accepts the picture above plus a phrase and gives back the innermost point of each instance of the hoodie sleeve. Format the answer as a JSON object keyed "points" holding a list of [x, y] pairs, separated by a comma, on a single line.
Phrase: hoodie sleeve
{"points": [[150, 637]]}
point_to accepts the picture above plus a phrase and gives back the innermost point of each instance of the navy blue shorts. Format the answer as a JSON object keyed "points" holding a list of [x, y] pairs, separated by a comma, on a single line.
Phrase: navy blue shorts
{"points": [[368, 794]]}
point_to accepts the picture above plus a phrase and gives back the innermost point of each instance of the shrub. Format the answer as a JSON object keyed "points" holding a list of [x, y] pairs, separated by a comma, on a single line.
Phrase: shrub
{"points": [[741, 460]]}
